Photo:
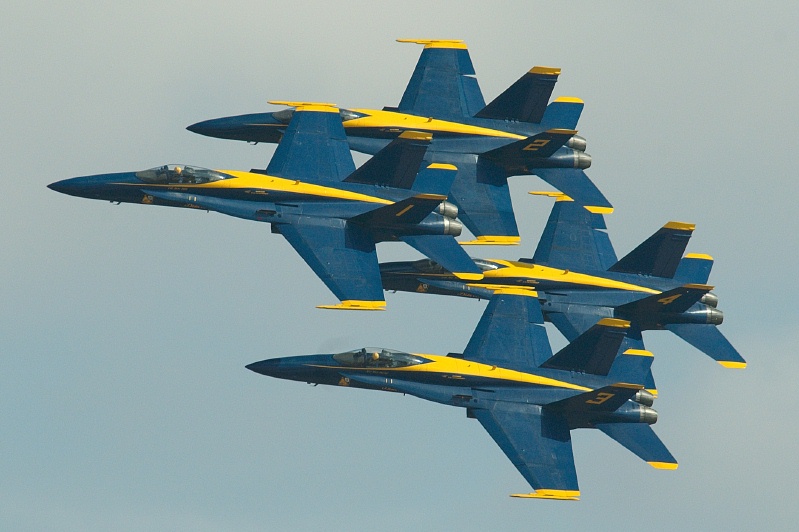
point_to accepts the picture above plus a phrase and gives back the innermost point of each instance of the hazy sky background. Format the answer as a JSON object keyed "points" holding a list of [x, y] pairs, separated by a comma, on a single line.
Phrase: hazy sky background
{"points": [[124, 330]]}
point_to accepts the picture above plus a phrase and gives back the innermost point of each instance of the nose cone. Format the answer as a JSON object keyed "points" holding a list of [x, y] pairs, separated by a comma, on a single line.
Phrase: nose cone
{"points": [[258, 127], [271, 367], [113, 187]]}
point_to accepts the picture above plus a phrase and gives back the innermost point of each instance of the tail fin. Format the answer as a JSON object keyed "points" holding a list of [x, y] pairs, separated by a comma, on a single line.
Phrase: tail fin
{"points": [[443, 83], [642, 441], [634, 365], [397, 164], [564, 113], [314, 147], [436, 178], [658, 255], [593, 351], [526, 100], [694, 268], [574, 238]]}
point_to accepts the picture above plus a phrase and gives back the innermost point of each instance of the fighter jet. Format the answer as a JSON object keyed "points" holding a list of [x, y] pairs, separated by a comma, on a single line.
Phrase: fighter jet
{"points": [[517, 133], [311, 193], [507, 378], [579, 280]]}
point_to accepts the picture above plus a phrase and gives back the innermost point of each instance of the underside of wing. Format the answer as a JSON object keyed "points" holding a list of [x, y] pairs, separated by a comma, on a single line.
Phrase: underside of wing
{"points": [[539, 445], [343, 257]]}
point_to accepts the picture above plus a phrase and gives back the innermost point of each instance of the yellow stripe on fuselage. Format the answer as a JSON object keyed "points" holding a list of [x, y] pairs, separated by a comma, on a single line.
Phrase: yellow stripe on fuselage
{"points": [[545, 273], [401, 121], [467, 368], [248, 180]]}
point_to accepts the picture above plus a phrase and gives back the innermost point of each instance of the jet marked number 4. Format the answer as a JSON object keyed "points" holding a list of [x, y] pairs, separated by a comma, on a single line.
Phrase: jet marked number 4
{"points": [[670, 299], [536, 144], [600, 398]]}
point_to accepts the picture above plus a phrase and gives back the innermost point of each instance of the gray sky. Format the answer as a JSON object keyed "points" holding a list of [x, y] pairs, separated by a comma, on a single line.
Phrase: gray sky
{"points": [[124, 401]]}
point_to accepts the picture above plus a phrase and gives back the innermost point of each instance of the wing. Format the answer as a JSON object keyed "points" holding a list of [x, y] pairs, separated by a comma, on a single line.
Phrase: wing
{"points": [[482, 195], [511, 333], [314, 148], [344, 258], [526, 100], [443, 83], [574, 182], [538, 445], [574, 239], [708, 339], [642, 441]]}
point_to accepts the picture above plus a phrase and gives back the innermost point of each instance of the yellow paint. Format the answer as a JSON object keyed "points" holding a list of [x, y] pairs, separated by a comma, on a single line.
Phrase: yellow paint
{"points": [[468, 276], [700, 286], [437, 43], [638, 353], [547, 71], [654, 392], [558, 495], [403, 211], [416, 135], [248, 180], [319, 107], [356, 304], [598, 210], [493, 240], [516, 292], [388, 120], [438, 197], [680, 226], [560, 196], [663, 465], [568, 99], [545, 273], [702, 256], [442, 166], [614, 322], [732, 365], [600, 398], [557, 131]]}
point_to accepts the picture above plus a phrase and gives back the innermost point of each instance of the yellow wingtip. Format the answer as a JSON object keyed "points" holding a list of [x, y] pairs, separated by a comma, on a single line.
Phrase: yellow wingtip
{"points": [[491, 240], [545, 70], [354, 304], [680, 226], [569, 99], [732, 365], [663, 465], [437, 43], [556, 495], [598, 210]]}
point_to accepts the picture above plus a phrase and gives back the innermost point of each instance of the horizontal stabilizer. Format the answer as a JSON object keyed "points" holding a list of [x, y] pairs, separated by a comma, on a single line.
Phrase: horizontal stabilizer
{"points": [[671, 301], [658, 255], [694, 268], [523, 152], [397, 164], [575, 183], [482, 195], [708, 339], [444, 249], [574, 239], [564, 113], [442, 84], [642, 441], [314, 147], [525, 100], [593, 351], [408, 211]]}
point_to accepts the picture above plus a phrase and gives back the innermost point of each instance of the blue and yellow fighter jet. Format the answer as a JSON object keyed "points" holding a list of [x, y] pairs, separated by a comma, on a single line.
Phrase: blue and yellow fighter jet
{"points": [[507, 378], [518, 133], [311, 193], [579, 281]]}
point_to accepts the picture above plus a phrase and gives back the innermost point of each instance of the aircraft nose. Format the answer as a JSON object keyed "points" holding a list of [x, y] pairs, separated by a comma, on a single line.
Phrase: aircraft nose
{"points": [[258, 127], [269, 367], [68, 186]]}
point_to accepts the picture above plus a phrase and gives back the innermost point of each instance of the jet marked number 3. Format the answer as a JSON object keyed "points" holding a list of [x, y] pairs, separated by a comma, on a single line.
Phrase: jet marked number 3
{"points": [[533, 146], [670, 299], [600, 398]]}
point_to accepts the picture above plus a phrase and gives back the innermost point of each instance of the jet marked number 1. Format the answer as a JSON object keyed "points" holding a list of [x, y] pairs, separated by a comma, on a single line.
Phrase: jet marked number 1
{"points": [[600, 398], [536, 144]]}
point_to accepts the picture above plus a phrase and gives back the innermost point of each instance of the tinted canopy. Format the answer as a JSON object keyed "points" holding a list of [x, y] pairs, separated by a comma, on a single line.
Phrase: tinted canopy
{"points": [[180, 174]]}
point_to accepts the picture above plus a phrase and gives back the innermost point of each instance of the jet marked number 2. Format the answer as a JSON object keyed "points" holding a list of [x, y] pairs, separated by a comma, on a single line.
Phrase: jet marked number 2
{"points": [[600, 398], [536, 144]]}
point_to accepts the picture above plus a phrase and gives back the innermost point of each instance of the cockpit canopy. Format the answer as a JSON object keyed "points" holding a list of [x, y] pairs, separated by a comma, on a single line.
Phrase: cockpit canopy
{"points": [[180, 174], [376, 357]]}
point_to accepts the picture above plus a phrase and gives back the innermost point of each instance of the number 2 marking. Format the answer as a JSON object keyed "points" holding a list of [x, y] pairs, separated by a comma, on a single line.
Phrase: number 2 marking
{"points": [[533, 146]]}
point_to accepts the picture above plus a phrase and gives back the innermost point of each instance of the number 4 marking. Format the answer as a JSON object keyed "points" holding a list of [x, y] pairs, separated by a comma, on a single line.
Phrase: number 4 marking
{"points": [[670, 299]]}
